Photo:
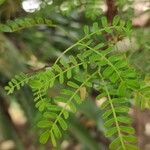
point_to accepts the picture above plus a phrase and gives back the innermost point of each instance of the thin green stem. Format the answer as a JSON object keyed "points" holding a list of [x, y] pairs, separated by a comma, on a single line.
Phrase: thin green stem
{"points": [[78, 42]]}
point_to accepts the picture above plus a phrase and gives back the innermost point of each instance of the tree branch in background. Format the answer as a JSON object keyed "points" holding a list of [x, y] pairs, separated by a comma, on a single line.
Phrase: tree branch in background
{"points": [[111, 10]]}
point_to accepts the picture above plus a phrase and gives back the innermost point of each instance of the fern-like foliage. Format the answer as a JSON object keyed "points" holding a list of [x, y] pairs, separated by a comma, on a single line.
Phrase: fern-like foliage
{"points": [[93, 66], [17, 83], [115, 115], [22, 23]]}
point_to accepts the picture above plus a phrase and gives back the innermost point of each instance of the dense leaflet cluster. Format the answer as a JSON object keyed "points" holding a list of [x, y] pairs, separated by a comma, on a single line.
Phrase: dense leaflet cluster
{"points": [[94, 66]]}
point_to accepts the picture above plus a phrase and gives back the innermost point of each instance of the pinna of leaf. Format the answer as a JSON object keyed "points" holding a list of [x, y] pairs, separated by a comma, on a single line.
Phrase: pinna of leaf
{"points": [[89, 69]]}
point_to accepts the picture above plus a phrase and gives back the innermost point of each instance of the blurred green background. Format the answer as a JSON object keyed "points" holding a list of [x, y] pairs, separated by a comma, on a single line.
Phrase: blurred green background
{"points": [[31, 49]]}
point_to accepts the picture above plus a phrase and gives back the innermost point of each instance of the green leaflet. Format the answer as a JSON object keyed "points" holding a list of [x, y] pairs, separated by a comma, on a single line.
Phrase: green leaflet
{"points": [[57, 68], [95, 27], [108, 71], [86, 30], [104, 22], [107, 114], [50, 115], [114, 77], [61, 78], [121, 119], [133, 84], [130, 138], [122, 89], [53, 139], [64, 63], [72, 107], [62, 123], [65, 114], [72, 84], [66, 92], [73, 60], [110, 132], [60, 99], [115, 143], [41, 104], [53, 107], [57, 131], [44, 124], [35, 84], [44, 137], [109, 122], [127, 129], [116, 20]]}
